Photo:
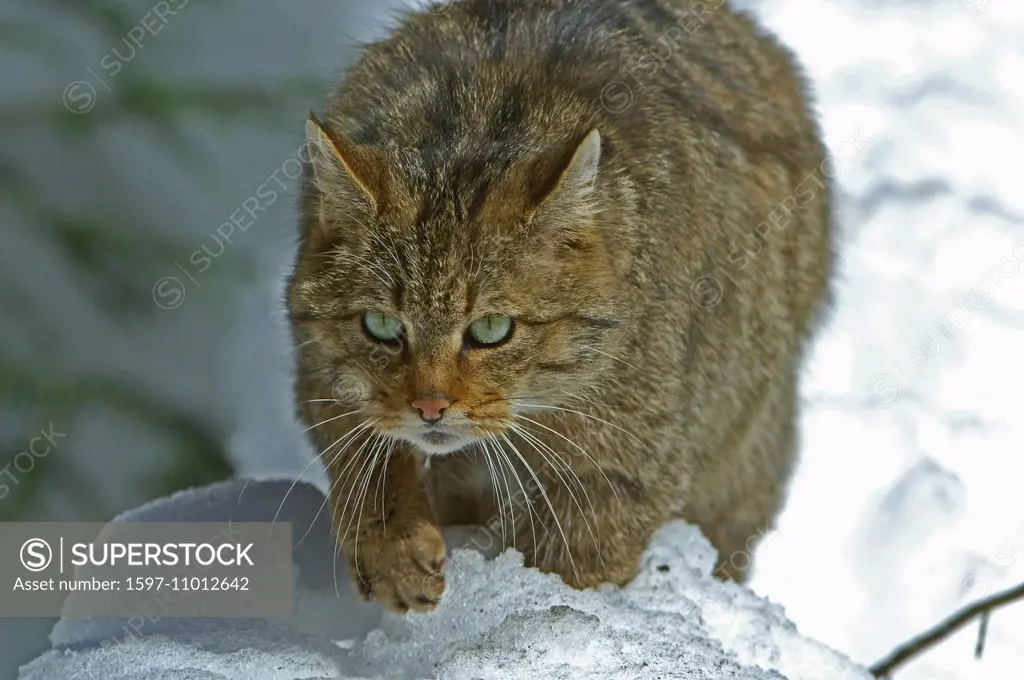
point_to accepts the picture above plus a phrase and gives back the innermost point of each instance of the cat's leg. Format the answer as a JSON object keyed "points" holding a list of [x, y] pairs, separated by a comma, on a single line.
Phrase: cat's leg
{"points": [[737, 522], [460, 489], [589, 542], [737, 536], [387, 530]]}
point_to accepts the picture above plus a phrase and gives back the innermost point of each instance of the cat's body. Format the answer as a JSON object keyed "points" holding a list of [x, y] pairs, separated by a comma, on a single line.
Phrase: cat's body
{"points": [[639, 184]]}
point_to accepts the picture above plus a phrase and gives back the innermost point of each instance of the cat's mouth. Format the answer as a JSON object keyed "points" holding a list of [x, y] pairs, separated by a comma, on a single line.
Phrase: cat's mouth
{"points": [[457, 429], [438, 438], [434, 440]]}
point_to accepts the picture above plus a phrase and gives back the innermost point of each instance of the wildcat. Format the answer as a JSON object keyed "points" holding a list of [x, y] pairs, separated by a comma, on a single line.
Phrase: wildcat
{"points": [[559, 261]]}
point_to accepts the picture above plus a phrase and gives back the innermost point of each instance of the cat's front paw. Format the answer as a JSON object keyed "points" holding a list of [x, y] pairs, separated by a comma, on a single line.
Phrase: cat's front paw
{"points": [[400, 567]]}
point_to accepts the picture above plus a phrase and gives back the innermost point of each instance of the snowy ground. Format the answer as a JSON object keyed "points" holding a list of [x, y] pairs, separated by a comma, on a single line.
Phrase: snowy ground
{"points": [[909, 503], [498, 620]]}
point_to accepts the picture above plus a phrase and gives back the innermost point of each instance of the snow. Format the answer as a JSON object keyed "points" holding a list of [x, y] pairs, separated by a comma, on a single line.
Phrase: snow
{"points": [[497, 620], [907, 504]]}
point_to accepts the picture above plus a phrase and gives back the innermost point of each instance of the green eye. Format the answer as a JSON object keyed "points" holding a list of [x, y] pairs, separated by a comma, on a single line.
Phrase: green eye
{"points": [[383, 327], [489, 331]]}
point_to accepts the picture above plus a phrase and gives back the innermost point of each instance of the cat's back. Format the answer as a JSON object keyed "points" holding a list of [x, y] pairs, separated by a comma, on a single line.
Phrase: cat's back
{"points": [[503, 69]]}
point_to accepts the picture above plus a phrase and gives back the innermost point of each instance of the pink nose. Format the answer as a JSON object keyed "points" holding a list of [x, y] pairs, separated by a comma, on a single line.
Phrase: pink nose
{"points": [[431, 410]]}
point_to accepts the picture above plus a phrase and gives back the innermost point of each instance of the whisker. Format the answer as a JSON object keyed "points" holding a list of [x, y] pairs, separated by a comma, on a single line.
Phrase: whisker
{"points": [[304, 470], [381, 279], [498, 467], [491, 401], [355, 219], [544, 493], [585, 400], [504, 515], [521, 397], [577, 447], [495, 492], [556, 462], [511, 501], [539, 446], [377, 449], [348, 498], [352, 436], [382, 485], [351, 496], [362, 427], [371, 267], [338, 454], [591, 417], [369, 375], [611, 356], [323, 422], [390, 250]]}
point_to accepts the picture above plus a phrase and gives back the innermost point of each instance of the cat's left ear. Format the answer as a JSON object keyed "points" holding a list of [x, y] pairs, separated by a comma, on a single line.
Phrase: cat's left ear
{"points": [[570, 192], [343, 171]]}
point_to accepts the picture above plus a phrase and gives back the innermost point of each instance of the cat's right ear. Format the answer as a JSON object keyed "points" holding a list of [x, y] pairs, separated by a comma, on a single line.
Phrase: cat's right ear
{"points": [[341, 170]]}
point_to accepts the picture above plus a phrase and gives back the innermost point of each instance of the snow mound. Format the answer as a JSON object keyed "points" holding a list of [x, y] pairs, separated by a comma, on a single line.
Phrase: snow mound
{"points": [[499, 620], [674, 621]]}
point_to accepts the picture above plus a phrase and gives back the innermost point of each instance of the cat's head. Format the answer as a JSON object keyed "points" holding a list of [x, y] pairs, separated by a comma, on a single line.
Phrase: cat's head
{"points": [[442, 309]]}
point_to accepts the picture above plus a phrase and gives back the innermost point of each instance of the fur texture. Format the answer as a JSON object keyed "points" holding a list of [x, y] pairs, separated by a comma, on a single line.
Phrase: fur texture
{"points": [[640, 185]]}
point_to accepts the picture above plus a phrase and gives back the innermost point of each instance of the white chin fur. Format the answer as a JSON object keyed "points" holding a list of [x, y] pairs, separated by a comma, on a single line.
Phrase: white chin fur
{"points": [[439, 449]]}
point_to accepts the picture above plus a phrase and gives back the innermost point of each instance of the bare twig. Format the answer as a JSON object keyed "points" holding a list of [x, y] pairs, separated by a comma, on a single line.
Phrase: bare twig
{"points": [[910, 649], [979, 646]]}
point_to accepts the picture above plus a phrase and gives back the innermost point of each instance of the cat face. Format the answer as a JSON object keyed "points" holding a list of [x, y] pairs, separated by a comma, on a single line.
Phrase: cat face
{"points": [[440, 323]]}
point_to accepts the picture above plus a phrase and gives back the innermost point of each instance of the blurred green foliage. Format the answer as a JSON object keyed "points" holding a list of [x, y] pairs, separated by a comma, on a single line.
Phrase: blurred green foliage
{"points": [[115, 265]]}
